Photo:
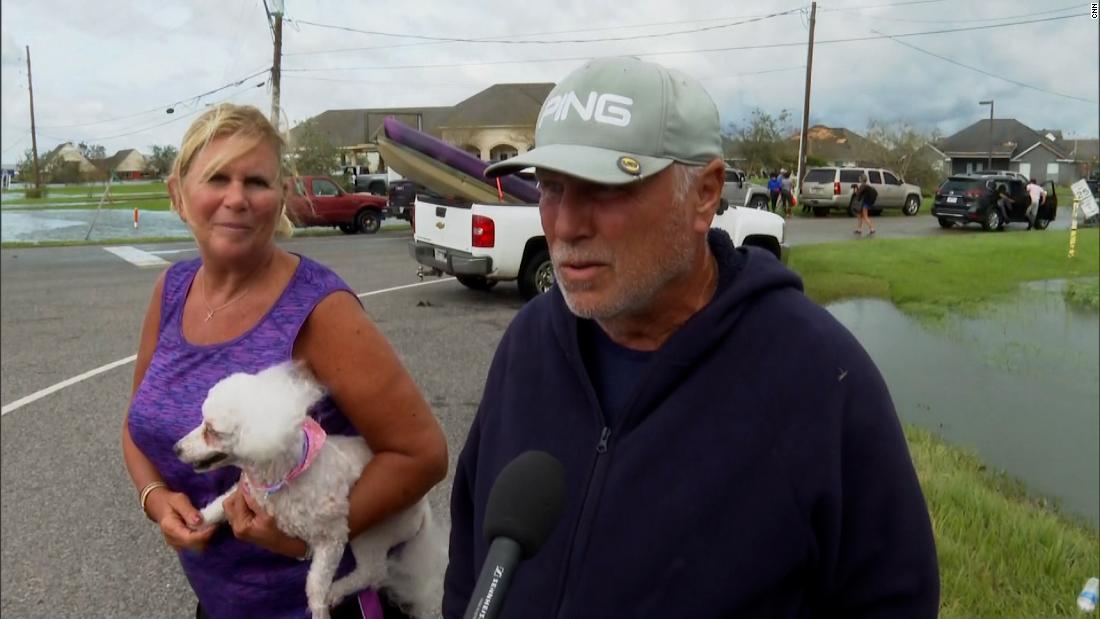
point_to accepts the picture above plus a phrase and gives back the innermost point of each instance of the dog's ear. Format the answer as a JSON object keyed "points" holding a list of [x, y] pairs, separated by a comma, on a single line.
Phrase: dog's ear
{"points": [[304, 387]]}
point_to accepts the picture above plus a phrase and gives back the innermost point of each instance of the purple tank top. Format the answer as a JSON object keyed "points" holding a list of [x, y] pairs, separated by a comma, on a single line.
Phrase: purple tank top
{"points": [[231, 578]]}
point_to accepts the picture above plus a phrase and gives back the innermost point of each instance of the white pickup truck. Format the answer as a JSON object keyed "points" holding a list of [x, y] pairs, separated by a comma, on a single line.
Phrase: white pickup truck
{"points": [[482, 244]]}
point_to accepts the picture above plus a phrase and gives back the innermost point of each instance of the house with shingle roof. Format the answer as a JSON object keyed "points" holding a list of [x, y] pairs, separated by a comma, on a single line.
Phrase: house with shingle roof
{"points": [[838, 146], [1012, 146], [67, 153], [496, 123], [126, 164]]}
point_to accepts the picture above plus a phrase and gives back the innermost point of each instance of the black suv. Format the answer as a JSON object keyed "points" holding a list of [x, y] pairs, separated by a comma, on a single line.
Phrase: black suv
{"points": [[972, 198], [402, 195]]}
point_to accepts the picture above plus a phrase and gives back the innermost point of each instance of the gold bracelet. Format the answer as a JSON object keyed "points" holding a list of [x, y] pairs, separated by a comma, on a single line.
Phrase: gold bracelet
{"points": [[147, 490]]}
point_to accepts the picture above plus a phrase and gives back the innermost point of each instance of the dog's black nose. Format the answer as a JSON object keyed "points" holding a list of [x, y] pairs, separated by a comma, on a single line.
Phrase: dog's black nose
{"points": [[176, 450]]}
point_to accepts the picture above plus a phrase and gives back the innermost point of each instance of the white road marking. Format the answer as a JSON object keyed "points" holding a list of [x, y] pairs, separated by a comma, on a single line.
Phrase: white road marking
{"points": [[173, 251], [38, 395], [374, 292], [136, 256]]}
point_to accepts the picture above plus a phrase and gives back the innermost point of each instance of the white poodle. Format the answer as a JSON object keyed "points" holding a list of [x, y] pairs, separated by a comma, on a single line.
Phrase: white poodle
{"points": [[302, 477]]}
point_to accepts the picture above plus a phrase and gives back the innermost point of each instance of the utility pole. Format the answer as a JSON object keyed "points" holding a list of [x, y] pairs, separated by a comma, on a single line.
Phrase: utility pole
{"points": [[989, 161], [34, 137], [802, 143], [276, 65]]}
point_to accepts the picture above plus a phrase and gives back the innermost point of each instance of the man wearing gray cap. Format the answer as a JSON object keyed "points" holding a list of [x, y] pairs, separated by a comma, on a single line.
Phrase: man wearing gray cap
{"points": [[729, 448]]}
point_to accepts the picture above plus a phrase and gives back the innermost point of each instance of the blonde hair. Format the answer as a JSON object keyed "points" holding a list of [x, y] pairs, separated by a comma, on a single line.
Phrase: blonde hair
{"points": [[241, 121]]}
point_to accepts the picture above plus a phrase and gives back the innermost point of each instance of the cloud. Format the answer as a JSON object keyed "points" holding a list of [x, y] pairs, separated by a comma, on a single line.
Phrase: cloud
{"points": [[93, 65]]}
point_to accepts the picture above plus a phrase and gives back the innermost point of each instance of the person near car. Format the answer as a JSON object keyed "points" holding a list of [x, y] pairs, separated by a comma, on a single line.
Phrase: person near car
{"points": [[1037, 194], [774, 186], [865, 196], [243, 305], [698, 482], [786, 198], [1004, 203]]}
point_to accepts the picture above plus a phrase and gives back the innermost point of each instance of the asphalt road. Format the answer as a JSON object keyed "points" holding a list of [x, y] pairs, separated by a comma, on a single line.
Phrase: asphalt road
{"points": [[74, 542]]}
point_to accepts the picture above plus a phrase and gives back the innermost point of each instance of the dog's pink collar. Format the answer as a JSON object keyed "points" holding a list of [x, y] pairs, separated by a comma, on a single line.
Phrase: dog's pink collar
{"points": [[314, 439]]}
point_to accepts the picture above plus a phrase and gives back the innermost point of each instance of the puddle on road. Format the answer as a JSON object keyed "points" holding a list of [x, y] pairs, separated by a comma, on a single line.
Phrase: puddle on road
{"points": [[1020, 385]]}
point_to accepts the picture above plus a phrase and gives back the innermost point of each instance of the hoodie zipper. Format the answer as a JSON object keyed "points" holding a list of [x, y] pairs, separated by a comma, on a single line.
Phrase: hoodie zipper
{"points": [[591, 498]]}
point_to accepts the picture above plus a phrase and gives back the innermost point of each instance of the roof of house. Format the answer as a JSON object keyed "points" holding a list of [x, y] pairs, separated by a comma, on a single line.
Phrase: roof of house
{"points": [[500, 105], [1010, 138], [351, 127], [838, 144], [1081, 150], [112, 162]]}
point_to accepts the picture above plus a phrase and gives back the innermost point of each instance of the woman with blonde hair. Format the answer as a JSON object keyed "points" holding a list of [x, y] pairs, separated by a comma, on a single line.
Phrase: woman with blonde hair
{"points": [[243, 305]]}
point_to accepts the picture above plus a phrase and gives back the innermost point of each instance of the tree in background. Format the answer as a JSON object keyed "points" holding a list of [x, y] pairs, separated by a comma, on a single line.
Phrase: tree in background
{"points": [[313, 153], [761, 141], [160, 163], [25, 168], [904, 152], [92, 152]]}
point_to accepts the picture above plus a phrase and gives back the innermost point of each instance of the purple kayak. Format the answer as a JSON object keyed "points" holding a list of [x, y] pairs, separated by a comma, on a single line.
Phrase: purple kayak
{"points": [[456, 158]]}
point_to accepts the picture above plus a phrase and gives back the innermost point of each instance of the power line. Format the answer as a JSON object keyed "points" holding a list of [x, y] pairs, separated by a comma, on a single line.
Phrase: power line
{"points": [[879, 6], [987, 73], [526, 34], [687, 51], [160, 107], [550, 42], [858, 13], [167, 122]]}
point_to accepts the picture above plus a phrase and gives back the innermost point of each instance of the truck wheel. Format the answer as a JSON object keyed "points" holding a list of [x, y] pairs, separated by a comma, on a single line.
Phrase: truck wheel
{"points": [[368, 222], [759, 202], [376, 188], [476, 282], [821, 211], [1041, 224], [912, 205], [347, 228], [875, 212], [537, 275], [946, 223]]}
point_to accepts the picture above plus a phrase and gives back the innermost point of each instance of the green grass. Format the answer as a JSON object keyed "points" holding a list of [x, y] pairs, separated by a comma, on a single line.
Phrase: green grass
{"points": [[1002, 551], [930, 278], [80, 201], [145, 204], [116, 188], [1084, 294]]}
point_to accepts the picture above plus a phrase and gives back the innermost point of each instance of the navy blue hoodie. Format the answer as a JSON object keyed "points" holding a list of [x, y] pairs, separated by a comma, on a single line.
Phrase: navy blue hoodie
{"points": [[759, 471]]}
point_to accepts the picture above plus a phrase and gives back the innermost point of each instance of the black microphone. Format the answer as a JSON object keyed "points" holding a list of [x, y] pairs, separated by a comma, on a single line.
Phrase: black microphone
{"points": [[524, 505]]}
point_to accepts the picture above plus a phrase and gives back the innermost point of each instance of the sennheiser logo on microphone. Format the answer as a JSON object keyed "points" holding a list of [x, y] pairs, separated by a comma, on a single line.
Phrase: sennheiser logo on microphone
{"points": [[498, 571]]}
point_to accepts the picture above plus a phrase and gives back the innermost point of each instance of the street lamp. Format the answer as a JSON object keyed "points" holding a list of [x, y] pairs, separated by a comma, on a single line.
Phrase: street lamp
{"points": [[989, 162]]}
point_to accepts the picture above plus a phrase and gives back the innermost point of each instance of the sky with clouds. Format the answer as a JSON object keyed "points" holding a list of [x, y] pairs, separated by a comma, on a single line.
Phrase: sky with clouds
{"points": [[106, 72]]}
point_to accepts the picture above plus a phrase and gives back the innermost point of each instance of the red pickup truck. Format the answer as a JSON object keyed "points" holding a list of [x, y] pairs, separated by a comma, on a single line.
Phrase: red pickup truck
{"points": [[319, 201]]}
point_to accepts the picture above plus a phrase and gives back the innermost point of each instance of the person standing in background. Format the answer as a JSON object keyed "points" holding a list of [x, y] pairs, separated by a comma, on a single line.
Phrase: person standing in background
{"points": [[1038, 195]]}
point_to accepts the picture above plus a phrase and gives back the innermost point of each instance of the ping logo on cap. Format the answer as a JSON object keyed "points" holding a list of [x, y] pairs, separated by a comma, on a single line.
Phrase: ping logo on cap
{"points": [[630, 165], [607, 108]]}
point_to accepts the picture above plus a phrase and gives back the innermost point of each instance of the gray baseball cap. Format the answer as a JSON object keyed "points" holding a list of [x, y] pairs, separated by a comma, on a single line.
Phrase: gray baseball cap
{"points": [[619, 120]]}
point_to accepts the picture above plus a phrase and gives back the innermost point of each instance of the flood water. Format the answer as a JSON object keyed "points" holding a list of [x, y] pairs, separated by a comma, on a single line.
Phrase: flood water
{"points": [[73, 225], [1020, 385]]}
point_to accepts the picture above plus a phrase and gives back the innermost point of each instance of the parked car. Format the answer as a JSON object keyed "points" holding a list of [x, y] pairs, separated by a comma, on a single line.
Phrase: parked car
{"points": [[972, 198], [319, 201], [402, 197], [362, 181], [824, 189], [1009, 173], [738, 191]]}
